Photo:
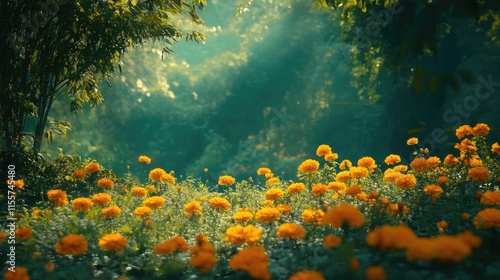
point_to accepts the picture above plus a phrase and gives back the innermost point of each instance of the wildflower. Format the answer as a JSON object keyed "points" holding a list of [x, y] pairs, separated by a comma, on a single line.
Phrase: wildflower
{"points": [[139, 191], [220, 203], [23, 233], [274, 194], [154, 202], [368, 163], [343, 176], [267, 215], [145, 159], [308, 166], [412, 141], [106, 183], [463, 131], [314, 217], [490, 198], [391, 237], [291, 231], [487, 218], [419, 164], [263, 171], [307, 275], [21, 273], [433, 190], [331, 156], [353, 190], [319, 189], [479, 173], [156, 174], [113, 242], [344, 213], [101, 198], [58, 197], [192, 208], [242, 216], [481, 129], [375, 273], [345, 164], [285, 209], [238, 235], [253, 261], [331, 241], [450, 160], [112, 211], [406, 181], [495, 148], [358, 172], [72, 244], [323, 150], [337, 186], [81, 204], [296, 188], [226, 180], [92, 167], [143, 211], [167, 178], [79, 174], [272, 181]]}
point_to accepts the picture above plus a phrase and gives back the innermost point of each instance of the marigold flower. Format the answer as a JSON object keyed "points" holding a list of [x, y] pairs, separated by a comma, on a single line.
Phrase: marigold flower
{"points": [[111, 211], [156, 174], [269, 175], [432, 162], [291, 231], [154, 202], [412, 141], [319, 189], [479, 173], [106, 183], [285, 209], [443, 180], [267, 215], [220, 203], [23, 233], [368, 163], [345, 164], [470, 239], [72, 244], [406, 181], [145, 159], [307, 275], [481, 129], [226, 180], [358, 172], [268, 203], [354, 264], [490, 198], [451, 248], [392, 159], [395, 208], [391, 237], [315, 217], [139, 191], [79, 174], [337, 186], [296, 188], [323, 150], [421, 249], [238, 235], [442, 225], [495, 148], [263, 171], [343, 176], [433, 190], [167, 178], [274, 194], [272, 181], [101, 198], [143, 211], [253, 261], [242, 216], [148, 223], [21, 273], [81, 204], [92, 167], [375, 273], [331, 241], [202, 199], [419, 164], [203, 261], [463, 131], [113, 242], [308, 166], [450, 160], [400, 168], [344, 213], [58, 197], [391, 176], [165, 248], [487, 218], [192, 208], [353, 190], [332, 156]]}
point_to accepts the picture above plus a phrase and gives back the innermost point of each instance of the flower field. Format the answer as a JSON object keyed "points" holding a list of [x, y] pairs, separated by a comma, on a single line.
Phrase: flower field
{"points": [[432, 218]]}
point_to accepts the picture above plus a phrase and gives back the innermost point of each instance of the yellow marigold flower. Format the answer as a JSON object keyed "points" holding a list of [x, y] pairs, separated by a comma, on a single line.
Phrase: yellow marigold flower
{"points": [[412, 141], [101, 198], [406, 181], [391, 176], [323, 150], [226, 180], [332, 156], [481, 129], [242, 216], [443, 180], [274, 194], [167, 178], [113, 242], [495, 148], [344, 213], [487, 218], [23, 233], [79, 174], [143, 211], [92, 167], [479, 173], [139, 191], [272, 181], [154, 202], [391, 237], [308, 166], [331, 241], [375, 273], [263, 171], [343, 176], [490, 198], [353, 190], [156, 174], [345, 164], [58, 197], [368, 163], [419, 164], [145, 159], [285, 209], [319, 189], [81, 204], [296, 188], [267, 215], [72, 244], [220, 203], [450, 160], [111, 211], [463, 131], [432, 162], [433, 190], [21, 273], [269, 175], [106, 183], [238, 235], [202, 199], [192, 208], [291, 231], [315, 217], [307, 275], [337, 186], [392, 159], [400, 168], [358, 172], [253, 261]]}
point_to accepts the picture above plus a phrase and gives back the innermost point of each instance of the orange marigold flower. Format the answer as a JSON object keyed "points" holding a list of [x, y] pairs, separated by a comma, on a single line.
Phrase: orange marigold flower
{"points": [[487, 218], [274, 194], [139, 191], [337, 186], [148, 223], [111, 211], [92, 167], [443, 225], [310, 216], [272, 181], [432, 162], [263, 171], [296, 188], [391, 237], [202, 199], [406, 181], [495, 148], [344, 213], [319, 189], [479, 173], [20, 273], [433, 190], [291, 231], [323, 150], [345, 164], [412, 141], [72, 244], [143, 211], [238, 235], [106, 183], [358, 172], [331, 156], [450, 160], [192, 208], [481, 129], [285, 209], [253, 261], [180, 243], [308, 166], [269, 175], [113, 242], [203, 261], [23, 233], [101, 198], [167, 178], [470, 239], [165, 248], [443, 180], [307, 275], [368, 163], [81, 204], [226, 180], [145, 159], [392, 159], [419, 164], [58, 197], [490, 198], [331, 241], [375, 273], [79, 174], [463, 131], [343, 176], [354, 264], [353, 190], [451, 248], [156, 174], [422, 249], [391, 176], [242, 216], [400, 168], [220, 203], [154, 202], [267, 215]]}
